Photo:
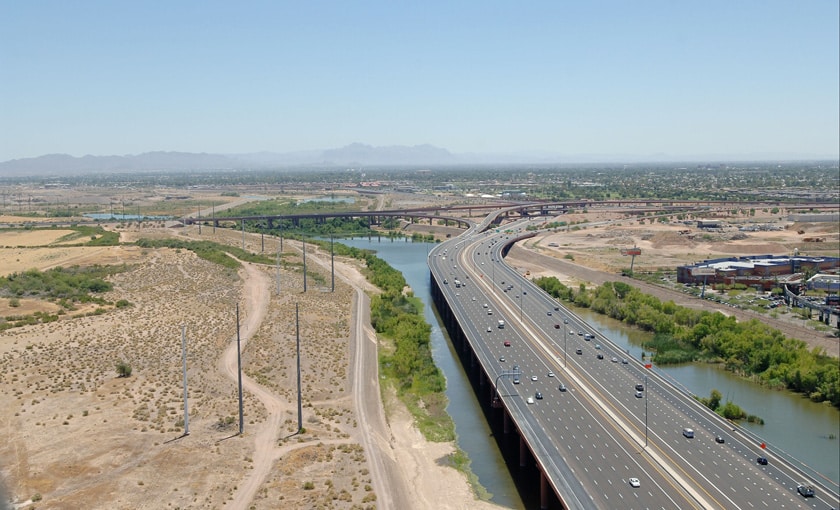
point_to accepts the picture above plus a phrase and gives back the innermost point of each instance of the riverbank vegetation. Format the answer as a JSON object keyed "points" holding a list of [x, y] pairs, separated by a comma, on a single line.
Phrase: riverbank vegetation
{"points": [[749, 348]]}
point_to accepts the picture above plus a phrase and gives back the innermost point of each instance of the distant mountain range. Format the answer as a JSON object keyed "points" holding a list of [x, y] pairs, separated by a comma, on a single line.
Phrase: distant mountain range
{"points": [[353, 155]]}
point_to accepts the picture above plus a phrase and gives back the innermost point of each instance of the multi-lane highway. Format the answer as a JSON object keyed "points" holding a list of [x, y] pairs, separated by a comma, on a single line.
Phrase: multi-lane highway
{"points": [[591, 439]]}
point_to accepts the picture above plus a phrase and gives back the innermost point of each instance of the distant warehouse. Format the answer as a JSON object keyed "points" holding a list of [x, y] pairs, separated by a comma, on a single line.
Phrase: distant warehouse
{"points": [[763, 271]]}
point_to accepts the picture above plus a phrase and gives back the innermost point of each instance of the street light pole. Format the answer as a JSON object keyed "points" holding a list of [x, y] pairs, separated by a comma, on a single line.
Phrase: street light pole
{"points": [[506, 373], [646, 394], [565, 350]]}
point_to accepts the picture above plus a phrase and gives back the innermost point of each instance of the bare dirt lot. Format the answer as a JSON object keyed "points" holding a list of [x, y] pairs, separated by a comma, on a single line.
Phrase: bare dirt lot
{"points": [[77, 436]]}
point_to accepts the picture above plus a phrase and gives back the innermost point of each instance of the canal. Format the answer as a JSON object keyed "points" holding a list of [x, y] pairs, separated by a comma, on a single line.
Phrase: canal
{"points": [[794, 426]]}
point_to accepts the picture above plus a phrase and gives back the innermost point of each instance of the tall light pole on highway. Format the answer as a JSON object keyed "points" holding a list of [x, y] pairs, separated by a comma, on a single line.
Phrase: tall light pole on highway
{"points": [[646, 395], [565, 350]]}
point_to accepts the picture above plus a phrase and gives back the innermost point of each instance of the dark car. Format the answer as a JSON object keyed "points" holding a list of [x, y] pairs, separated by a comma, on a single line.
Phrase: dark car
{"points": [[507, 343], [805, 490], [719, 439], [557, 326], [562, 387], [538, 395], [640, 387], [600, 356], [762, 461]]}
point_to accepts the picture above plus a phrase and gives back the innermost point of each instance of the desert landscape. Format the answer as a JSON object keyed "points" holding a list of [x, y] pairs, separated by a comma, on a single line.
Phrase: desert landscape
{"points": [[76, 435]]}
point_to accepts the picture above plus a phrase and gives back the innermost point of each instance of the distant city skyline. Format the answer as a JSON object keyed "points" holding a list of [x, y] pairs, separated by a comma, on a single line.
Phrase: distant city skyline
{"points": [[655, 78]]}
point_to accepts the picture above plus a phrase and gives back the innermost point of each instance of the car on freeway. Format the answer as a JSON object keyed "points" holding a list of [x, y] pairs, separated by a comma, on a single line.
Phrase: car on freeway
{"points": [[533, 378], [562, 387], [807, 491], [634, 482], [762, 461], [556, 308], [538, 395], [548, 313], [640, 387], [502, 359], [624, 361], [551, 374], [557, 326], [516, 380], [578, 351], [614, 359], [638, 394], [580, 333], [530, 400], [600, 356], [565, 321], [485, 305], [598, 346], [489, 329], [719, 439], [507, 343]]}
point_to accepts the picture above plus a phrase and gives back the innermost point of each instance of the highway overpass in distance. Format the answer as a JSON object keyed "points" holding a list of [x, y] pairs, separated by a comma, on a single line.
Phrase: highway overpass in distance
{"points": [[599, 442]]}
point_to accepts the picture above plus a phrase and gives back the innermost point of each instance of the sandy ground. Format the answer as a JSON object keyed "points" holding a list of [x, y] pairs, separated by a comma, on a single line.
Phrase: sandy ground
{"points": [[77, 436]]}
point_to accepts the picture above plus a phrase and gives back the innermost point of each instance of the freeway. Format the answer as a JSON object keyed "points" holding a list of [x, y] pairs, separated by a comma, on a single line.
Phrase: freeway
{"points": [[593, 438]]}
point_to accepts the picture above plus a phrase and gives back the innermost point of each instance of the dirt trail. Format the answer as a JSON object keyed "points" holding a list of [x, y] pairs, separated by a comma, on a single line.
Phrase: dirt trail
{"points": [[256, 296]]}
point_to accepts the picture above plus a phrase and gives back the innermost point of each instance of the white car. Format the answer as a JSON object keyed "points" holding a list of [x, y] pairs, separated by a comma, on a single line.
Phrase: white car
{"points": [[634, 482], [551, 374], [530, 400], [533, 378]]}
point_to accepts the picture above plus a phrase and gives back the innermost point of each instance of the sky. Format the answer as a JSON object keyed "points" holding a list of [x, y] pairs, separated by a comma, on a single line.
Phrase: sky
{"points": [[675, 78]]}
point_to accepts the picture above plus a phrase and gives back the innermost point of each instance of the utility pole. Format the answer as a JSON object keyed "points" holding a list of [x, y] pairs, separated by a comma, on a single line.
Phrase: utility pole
{"points": [[297, 334], [277, 271], [239, 364], [243, 235], [304, 263], [332, 263], [184, 363]]}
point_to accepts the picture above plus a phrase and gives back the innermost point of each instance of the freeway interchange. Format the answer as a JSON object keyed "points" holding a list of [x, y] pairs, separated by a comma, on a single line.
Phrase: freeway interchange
{"points": [[599, 442]]}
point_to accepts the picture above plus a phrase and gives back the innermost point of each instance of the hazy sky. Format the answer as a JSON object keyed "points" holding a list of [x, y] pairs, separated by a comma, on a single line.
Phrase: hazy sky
{"points": [[490, 76]]}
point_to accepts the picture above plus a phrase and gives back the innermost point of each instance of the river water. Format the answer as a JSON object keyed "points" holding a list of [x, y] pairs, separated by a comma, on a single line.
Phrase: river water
{"points": [[793, 426]]}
